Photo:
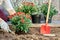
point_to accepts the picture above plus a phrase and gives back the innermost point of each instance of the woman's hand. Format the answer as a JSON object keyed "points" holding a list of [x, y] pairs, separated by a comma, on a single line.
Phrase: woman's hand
{"points": [[4, 25]]}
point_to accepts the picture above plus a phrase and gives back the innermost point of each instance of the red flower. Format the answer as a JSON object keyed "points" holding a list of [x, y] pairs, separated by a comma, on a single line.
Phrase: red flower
{"points": [[28, 16], [32, 4], [10, 16], [46, 3], [28, 3], [15, 14], [20, 13], [22, 20]]}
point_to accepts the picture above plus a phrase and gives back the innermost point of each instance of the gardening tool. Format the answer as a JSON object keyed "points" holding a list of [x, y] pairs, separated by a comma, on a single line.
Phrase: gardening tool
{"points": [[45, 29]]}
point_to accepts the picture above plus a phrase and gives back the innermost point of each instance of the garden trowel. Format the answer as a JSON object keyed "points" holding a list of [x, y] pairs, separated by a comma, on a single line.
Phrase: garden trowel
{"points": [[45, 29]]}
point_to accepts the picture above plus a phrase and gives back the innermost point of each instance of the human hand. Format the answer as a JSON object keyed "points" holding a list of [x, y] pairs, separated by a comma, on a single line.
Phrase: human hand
{"points": [[4, 25]]}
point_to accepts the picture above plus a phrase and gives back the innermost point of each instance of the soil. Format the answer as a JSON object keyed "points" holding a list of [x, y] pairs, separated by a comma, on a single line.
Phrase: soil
{"points": [[33, 34]]}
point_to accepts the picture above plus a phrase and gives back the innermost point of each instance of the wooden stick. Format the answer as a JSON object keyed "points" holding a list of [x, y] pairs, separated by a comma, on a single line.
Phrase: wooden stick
{"points": [[48, 11]]}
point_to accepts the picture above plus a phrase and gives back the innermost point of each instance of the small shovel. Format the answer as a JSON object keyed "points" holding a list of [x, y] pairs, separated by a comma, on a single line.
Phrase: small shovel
{"points": [[45, 29]]}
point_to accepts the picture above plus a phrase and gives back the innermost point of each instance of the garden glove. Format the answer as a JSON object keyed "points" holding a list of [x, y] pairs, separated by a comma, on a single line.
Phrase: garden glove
{"points": [[4, 25]]}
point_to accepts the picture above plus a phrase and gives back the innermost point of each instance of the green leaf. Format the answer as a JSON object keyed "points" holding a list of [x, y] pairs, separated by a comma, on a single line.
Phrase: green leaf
{"points": [[44, 10]]}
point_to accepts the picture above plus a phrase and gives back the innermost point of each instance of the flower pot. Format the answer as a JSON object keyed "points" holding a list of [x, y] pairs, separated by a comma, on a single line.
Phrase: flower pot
{"points": [[49, 20], [36, 18]]}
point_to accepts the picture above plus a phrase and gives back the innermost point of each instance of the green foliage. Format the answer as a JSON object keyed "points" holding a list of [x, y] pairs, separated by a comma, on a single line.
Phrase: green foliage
{"points": [[15, 19], [20, 24], [27, 9], [44, 10]]}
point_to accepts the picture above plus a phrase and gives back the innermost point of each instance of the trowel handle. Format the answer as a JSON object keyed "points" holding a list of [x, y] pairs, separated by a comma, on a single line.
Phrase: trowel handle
{"points": [[49, 4]]}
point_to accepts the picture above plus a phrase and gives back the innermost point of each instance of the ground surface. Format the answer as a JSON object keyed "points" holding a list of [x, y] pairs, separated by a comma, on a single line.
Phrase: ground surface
{"points": [[32, 35]]}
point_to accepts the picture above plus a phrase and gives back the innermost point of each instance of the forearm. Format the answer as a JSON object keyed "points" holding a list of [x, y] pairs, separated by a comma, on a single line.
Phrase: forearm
{"points": [[1, 1], [9, 7], [11, 11]]}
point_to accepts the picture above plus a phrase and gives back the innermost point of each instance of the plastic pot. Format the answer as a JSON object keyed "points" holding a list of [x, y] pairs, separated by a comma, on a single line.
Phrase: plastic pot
{"points": [[36, 18]]}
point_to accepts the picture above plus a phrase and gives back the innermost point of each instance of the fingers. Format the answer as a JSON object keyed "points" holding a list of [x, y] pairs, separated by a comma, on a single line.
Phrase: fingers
{"points": [[0, 19]]}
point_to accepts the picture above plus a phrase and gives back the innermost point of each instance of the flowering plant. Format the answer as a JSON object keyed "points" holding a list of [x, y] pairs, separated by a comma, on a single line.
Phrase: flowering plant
{"points": [[21, 21], [27, 8], [44, 10]]}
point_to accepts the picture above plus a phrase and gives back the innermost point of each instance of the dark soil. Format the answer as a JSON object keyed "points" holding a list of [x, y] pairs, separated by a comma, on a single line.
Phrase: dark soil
{"points": [[33, 34]]}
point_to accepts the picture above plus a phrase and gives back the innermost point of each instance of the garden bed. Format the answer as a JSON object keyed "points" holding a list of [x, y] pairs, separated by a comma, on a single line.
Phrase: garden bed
{"points": [[32, 35]]}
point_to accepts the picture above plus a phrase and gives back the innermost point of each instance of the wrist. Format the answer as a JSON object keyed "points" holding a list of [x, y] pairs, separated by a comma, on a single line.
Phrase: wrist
{"points": [[11, 12]]}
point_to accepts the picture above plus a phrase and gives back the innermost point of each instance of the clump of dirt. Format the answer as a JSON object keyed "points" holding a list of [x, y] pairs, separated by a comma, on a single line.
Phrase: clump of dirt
{"points": [[6, 35], [33, 34]]}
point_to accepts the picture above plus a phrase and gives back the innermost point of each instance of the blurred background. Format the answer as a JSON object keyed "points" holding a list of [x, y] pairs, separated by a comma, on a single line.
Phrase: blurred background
{"points": [[56, 3]]}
